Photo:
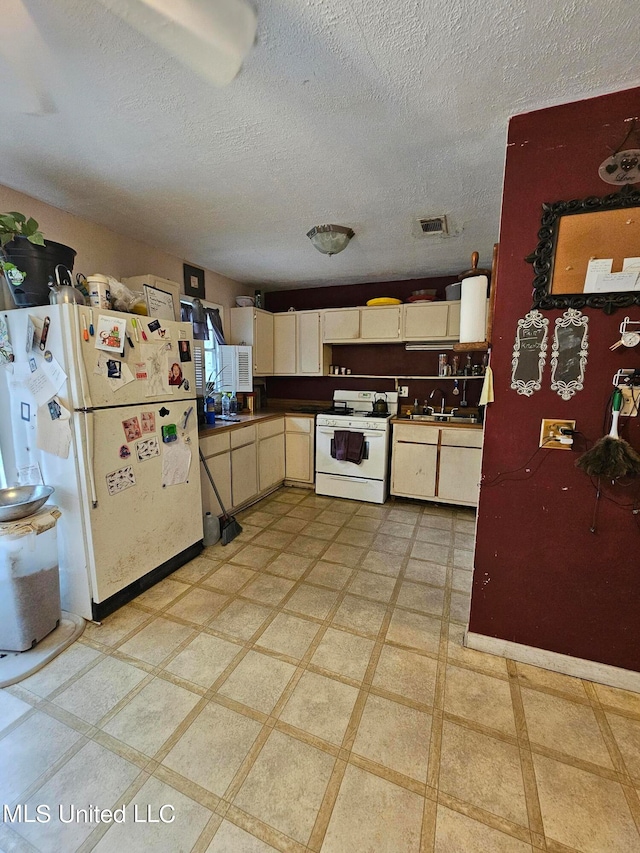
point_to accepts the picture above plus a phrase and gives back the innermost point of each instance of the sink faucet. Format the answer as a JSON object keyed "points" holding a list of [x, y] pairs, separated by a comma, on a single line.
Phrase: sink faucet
{"points": [[442, 400]]}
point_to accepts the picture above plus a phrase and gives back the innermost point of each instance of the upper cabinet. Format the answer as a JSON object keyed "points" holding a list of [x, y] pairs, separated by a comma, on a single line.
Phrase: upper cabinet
{"points": [[312, 356], [254, 327], [340, 325], [284, 344], [420, 321], [297, 345], [380, 323], [424, 321]]}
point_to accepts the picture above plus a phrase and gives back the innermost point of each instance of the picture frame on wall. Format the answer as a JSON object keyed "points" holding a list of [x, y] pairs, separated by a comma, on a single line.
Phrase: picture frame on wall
{"points": [[193, 281]]}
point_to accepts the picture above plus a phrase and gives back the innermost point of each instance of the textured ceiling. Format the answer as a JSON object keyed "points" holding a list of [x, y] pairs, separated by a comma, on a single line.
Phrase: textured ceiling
{"points": [[357, 112]]}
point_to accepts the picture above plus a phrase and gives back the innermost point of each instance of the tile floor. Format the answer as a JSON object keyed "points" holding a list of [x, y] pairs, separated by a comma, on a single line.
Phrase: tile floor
{"points": [[306, 688]]}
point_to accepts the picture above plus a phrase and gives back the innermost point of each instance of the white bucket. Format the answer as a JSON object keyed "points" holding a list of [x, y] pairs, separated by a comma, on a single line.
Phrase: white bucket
{"points": [[99, 292]]}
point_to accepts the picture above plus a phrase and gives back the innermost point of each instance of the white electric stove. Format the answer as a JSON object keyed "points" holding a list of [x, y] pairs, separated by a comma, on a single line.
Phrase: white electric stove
{"points": [[354, 411]]}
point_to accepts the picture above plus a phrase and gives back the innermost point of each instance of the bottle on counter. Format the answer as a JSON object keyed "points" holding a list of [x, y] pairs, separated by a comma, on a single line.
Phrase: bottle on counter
{"points": [[416, 407], [233, 404], [225, 405]]}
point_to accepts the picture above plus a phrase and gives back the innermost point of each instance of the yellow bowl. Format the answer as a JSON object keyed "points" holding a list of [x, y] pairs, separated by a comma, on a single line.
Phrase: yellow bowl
{"points": [[384, 300]]}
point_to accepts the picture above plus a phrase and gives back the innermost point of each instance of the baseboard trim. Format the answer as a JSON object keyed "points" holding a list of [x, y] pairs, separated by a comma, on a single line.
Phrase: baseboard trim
{"points": [[603, 673]]}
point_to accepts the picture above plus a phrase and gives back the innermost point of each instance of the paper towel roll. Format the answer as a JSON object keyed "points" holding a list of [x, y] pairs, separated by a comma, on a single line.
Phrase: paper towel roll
{"points": [[473, 309]]}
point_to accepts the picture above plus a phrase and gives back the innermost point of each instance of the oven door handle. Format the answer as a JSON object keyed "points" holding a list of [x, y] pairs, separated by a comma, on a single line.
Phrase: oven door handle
{"points": [[343, 478], [327, 431]]}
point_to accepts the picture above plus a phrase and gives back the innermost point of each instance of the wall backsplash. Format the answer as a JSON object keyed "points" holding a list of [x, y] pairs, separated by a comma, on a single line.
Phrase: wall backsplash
{"points": [[346, 296]]}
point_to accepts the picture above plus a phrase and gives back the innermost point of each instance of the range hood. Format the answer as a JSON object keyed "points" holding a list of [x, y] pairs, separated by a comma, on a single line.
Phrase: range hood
{"points": [[429, 346]]}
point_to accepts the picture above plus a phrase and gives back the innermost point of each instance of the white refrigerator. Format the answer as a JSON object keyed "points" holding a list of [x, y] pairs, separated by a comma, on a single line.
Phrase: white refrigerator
{"points": [[109, 420]]}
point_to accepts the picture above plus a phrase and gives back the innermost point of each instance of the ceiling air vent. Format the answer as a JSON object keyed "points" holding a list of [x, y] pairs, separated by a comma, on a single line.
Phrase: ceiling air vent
{"points": [[434, 225]]}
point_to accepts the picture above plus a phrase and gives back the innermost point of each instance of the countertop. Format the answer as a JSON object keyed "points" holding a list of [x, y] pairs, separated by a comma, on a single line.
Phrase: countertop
{"points": [[257, 417], [439, 424]]}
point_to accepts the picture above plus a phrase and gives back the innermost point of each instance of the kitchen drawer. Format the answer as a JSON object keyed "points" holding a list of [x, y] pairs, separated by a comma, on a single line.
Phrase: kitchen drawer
{"points": [[416, 433], [462, 437], [268, 428], [296, 424], [242, 436], [212, 444]]}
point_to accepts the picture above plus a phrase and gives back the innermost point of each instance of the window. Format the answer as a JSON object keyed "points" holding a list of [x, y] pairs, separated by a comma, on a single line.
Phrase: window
{"points": [[205, 349]]}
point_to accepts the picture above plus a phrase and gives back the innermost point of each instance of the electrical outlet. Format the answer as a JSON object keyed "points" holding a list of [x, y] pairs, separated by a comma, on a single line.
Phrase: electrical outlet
{"points": [[403, 391], [551, 436], [631, 397]]}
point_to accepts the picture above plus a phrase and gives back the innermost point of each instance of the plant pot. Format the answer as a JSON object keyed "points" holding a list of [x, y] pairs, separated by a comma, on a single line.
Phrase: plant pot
{"points": [[28, 268]]}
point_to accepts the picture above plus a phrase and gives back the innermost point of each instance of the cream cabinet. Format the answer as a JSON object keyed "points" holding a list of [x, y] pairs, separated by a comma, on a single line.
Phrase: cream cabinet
{"points": [[270, 453], [418, 321], [297, 344], [299, 449], [216, 450], [453, 320], [244, 473], [414, 469], [341, 325], [460, 465], [285, 344], [380, 324], [439, 464], [254, 327], [313, 356], [423, 321]]}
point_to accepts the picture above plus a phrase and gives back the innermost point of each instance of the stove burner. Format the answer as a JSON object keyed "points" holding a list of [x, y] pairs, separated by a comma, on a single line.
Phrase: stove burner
{"points": [[338, 410]]}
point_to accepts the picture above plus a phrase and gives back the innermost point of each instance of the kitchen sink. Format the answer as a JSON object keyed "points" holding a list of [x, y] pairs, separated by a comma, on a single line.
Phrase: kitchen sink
{"points": [[446, 418]]}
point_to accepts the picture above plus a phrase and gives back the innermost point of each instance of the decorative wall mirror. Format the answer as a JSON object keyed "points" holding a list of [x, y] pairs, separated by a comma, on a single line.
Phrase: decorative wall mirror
{"points": [[569, 352], [529, 353], [575, 234]]}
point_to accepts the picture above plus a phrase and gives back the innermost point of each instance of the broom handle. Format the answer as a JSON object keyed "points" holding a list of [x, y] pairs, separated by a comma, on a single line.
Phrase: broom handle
{"points": [[206, 468], [616, 406]]}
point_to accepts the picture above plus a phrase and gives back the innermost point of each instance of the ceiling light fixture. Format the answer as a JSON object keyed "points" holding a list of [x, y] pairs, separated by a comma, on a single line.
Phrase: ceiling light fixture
{"points": [[330, 239]]}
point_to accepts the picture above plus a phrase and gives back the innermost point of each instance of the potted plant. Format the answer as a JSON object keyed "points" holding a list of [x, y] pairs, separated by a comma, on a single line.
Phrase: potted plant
{"points": [[28, 261]]}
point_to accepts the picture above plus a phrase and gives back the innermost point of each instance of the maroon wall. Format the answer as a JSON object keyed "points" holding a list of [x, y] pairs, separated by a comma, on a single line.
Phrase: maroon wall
{"points": [[380, 359], [345, 296], [541, 578]]}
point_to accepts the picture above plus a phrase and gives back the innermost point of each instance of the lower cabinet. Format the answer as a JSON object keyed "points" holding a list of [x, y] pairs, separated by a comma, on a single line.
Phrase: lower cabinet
{"points": [[414, 469], [299, 450], [270, 454], [244, 473], [459, 474], [255, 458], [439, 464]]}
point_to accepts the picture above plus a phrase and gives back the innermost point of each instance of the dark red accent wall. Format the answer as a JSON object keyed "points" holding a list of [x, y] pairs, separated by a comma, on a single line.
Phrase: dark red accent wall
{"points": [[380, 359], [541, 578], [344, 296]]}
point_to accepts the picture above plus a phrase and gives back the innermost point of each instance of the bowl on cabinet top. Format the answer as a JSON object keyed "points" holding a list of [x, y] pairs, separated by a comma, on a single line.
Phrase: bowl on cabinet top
{"points": [[383, 300], [245, 301], [18, 502]]}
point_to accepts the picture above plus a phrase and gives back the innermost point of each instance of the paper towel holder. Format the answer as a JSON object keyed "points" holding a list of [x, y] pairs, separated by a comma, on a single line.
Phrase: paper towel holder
{"points": [[476, 270], [478, 346]]}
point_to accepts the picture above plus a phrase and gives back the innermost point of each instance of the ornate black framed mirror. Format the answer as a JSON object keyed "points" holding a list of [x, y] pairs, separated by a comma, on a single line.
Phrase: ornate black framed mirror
{"points": [[575, 234]]}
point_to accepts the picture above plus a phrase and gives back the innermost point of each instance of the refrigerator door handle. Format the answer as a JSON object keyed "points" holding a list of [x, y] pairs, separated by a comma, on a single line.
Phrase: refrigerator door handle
{"points": [[88, 436], [79, 359]]}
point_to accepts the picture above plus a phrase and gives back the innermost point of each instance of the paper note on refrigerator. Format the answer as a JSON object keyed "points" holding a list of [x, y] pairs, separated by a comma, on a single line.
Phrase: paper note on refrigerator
{"points": [[41, 386], [30, 475], [110, 334], [176, 461], [55, 374], [53, 434], [118, 481], [157, 375], [125, 377]]}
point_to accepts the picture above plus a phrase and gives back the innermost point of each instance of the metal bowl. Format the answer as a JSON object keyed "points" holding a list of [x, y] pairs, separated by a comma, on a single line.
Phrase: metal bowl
{"points": [[20, 501]]}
